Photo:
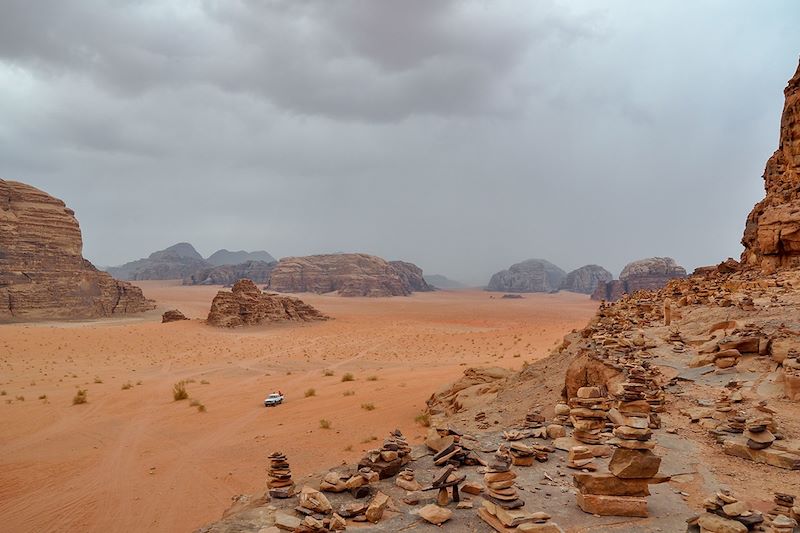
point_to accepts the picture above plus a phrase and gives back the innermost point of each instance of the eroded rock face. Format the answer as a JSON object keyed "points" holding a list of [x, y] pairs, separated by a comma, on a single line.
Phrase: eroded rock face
{"points": [[43, 274], [347, 274], [176, 262], [226, 257], [256, 271], [644, 274], [533, 275], [772, 232], [246, 305], [586, 279]]}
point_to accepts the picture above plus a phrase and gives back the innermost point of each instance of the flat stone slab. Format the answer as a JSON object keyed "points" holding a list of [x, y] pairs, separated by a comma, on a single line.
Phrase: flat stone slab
{"points": [[772, 456]]}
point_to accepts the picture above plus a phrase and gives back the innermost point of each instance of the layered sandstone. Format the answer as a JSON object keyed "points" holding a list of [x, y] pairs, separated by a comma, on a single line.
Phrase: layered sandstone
{"points": [[586, 279], [644, 274], [176, 262], [43, 274], [246, 305], [533, 275], [256, 271], [772, 231], [347, 274]]}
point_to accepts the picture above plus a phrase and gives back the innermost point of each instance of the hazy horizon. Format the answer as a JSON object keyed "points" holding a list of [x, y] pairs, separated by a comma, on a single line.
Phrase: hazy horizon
{"points": [[462, 136]]}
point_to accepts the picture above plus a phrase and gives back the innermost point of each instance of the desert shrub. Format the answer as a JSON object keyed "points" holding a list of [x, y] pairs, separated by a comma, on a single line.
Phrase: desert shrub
{"points": [[348, 377], [310, 392], [204, 382], [348, 393], [21, 398], [349, 448], [179, 391], [368, 406], [423, 419], [3, 393], [369, 439], [80, 397], [97, 379], [372, 378], [325, 423], [201, 408], [43, 397], [127, 385], [327, 373]]}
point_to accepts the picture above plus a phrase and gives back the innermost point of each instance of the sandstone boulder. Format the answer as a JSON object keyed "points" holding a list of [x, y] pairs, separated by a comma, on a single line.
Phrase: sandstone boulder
{"points": [[644, 274], [43, 274], [173, 315], [347, 274], [246, 305], [772, 232], [533, 275], [586, 279]]}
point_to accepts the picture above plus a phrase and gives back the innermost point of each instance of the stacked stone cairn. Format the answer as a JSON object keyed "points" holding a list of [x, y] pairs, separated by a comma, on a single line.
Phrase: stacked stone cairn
{"points": [[355, 482], [388, 460], [406, 480], [758, 435], [280, 482], [587, 414], [318, 512], [785, 515], [499, 481], [726, 514], [561, 416]]}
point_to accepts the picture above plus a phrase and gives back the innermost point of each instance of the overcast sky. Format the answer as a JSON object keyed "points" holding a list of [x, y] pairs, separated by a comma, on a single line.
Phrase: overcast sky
{"points": [[460, 135]]}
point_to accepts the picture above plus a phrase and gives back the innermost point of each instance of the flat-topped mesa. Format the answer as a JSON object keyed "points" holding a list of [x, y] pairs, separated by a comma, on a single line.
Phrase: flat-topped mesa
{"points": [[645, 274], [533, 275], [347, 274], [772, 233], [43, 274], [246, 305]]}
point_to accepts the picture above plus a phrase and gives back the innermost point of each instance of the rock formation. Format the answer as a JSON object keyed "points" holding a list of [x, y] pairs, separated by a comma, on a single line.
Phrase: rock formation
{"points": [[176, 262], [43, 274], [173, 315], [586, 279], [772, 232], [246, 305], [439, 281], [533, 275], [347, 274], [256, 271], [225, 257], [644, 274]]}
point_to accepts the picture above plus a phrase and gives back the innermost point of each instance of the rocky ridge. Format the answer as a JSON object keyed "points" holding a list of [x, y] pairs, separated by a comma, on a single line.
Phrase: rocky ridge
{"points": [[176, 262], [246, 305], [644, 274], [256, 271], [226, 257], [43, 274], [586, 279], [348, 275], [533, 275]]}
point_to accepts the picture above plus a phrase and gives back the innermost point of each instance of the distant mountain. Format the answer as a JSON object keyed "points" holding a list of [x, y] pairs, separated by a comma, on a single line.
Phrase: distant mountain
{"points": [[255, 271], [533, 275], [225, 257], [442, 282], [176, 262]]}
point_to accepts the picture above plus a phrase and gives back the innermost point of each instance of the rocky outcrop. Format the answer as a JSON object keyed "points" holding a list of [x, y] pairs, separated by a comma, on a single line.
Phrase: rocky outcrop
{"points": [[772, 231], [256, 271], [438, 281], [586, 279], [645, 274], [173, 315], [225, 257], [176, 262], [533, 275], [347, 274], [246, 305], [43, 274]]}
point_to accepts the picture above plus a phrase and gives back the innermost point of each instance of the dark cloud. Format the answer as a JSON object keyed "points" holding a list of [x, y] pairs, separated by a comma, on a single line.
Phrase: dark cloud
{"points": [[462, 135]]}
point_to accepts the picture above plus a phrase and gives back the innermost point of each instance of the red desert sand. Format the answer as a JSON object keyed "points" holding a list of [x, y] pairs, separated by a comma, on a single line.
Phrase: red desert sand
{"points": [[133, 459]]}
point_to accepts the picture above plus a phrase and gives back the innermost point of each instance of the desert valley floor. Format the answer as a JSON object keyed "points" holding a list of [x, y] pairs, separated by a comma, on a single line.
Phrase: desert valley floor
{"points": [[134, 459]]}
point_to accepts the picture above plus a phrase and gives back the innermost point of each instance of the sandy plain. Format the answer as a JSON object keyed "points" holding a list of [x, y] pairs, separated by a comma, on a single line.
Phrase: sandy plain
{"points": [[132, 459]]}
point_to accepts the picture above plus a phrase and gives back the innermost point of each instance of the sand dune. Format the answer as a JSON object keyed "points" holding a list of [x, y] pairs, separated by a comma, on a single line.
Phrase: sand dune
{"points": [[134, 459]]}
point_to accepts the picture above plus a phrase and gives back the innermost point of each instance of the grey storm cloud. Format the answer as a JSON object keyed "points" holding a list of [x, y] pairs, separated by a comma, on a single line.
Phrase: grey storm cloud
{"points": [[461, 135]]}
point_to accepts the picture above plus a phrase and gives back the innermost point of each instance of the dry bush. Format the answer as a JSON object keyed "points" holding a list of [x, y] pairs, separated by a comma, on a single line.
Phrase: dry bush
{"points": [[368, 406], [80, 397], [348, 377], [179, 391], [423, 419], [310, 392], [325, 423]]}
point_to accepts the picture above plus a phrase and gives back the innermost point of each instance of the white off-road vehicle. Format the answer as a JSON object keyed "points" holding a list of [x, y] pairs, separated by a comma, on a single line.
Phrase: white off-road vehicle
{"points": [[273, 400]]}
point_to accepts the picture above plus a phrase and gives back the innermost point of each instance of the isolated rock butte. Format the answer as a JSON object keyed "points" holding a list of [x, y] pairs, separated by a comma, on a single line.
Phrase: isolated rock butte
{"points": [[256, 271], [644, 274], [226, 257], [533, 275], [586, 279], [43, 274], [772, 231], [176, 262], [246, 305], [349, 274]]}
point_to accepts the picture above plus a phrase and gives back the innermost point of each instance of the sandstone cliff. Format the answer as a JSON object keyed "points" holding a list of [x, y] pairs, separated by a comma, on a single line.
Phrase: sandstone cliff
{"points": [[586, 279], [772, 231], [246, 305], [644, 274], [43, 274], [176, 262], [347, 274], [257, 271], [225, 257], [533, 275]]}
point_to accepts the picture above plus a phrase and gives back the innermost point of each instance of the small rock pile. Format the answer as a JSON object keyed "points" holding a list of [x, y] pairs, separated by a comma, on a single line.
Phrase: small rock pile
{"points": [[504, 520], [280, 482], [390, 458], [758, 435], [405, 480], [588, 415], [785, 515], [561, 414], [581, 458], [356, 483], [726, 514], [499, 482], [524, 455]]}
